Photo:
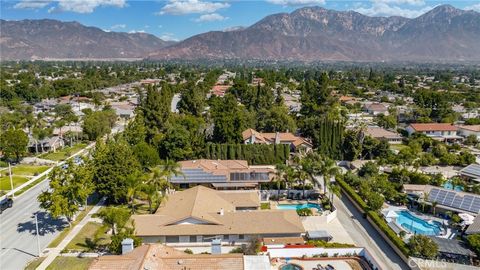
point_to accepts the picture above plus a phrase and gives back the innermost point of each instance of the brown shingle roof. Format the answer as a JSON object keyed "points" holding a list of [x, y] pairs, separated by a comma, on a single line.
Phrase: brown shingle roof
{"points": [[433, 127], [474, 128], [378, 132], [158, 256], [202, 205]]}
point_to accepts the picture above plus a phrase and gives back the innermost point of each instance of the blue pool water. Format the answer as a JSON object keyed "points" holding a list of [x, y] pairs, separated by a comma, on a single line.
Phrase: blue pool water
{"points": [[449, 185], [417, 225], [298, 206]]}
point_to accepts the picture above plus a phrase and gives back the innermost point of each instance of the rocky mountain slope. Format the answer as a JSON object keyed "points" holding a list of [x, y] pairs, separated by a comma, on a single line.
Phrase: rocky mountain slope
{"points": [[317, 34], [39, 39]]}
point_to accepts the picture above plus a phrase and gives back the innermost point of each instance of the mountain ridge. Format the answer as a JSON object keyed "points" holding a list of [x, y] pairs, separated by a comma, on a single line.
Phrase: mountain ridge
{"points": [[47, 38], [318, 34]]}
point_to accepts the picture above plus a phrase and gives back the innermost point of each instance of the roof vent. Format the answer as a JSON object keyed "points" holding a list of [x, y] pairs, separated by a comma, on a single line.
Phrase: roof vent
{"points": [[221, 212], [180, 262]]}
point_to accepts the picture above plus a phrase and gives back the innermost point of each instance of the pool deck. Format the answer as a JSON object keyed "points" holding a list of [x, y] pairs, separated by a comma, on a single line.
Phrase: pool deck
{"points": [[346, 264]]}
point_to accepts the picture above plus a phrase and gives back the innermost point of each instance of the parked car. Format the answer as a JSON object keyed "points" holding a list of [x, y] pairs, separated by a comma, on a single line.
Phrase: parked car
{"points": [[5, 204]]}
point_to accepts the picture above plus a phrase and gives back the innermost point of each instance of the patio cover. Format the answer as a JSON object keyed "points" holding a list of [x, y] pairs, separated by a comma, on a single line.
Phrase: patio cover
{"points": [[319, 235], [452, 246]]}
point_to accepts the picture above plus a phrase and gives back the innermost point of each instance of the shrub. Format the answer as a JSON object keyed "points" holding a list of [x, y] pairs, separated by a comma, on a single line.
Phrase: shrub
{"points": [[188, 251], [321, 243], [236, 250], [304, 212]]}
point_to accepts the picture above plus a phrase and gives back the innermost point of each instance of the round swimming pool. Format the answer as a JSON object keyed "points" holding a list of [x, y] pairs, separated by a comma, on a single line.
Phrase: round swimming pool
{"points": [[290, 266]]}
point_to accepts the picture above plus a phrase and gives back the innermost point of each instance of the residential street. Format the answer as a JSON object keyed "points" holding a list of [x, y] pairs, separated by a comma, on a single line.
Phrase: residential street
{"points": [[364, 235], [18, 242]]}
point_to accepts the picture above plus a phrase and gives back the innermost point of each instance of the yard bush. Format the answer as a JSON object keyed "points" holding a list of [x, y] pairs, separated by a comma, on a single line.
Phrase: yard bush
{"points": [[321, 243], [304, 212], [352, 193]]}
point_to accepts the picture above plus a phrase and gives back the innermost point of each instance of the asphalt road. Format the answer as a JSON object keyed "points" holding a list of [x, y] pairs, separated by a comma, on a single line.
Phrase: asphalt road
{"points": [[18, 240], [364, 235]]}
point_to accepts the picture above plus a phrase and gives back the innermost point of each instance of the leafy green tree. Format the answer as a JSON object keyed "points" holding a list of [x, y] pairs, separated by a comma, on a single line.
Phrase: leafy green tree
{"points": [[374, 201], [474, 242], [98, 124], [113, 163], [115, 218], [135, 132], [13, 143], [422, 246], [146, 154], [69, 189], [156, 110], [275, 119], [192, 100]]}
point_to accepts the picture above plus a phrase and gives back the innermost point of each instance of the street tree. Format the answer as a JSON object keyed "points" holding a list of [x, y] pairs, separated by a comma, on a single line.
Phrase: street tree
{"points": [[13, 143]]}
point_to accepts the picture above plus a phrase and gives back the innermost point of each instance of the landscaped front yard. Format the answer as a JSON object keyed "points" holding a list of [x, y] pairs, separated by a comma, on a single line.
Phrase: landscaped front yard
{"points": [[28, 170], [17, 181], [20, 175], [92, 236], [70, 263], [63, 153]]}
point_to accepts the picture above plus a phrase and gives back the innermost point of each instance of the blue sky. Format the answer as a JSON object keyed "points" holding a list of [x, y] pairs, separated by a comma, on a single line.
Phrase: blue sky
{"points": [[179, 19]]}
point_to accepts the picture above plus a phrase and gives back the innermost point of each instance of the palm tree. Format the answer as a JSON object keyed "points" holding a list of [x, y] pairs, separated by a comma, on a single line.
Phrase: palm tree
{"points": [[158, 179], [133, 182], [334, 190], [434, 205], [279, 177], [152, 196], [302, 177], [328, 168], [170, 168]]}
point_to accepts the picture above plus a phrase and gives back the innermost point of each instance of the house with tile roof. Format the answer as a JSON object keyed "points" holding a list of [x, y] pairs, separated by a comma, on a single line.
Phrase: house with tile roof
{"points": [[159, 256], [251, 136], [198, 215], [222, 174], [439, 131], [382, 134], [467, 130]]}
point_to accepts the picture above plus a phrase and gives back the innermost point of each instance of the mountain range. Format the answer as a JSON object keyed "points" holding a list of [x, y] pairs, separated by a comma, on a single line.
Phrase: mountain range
{"points": [[41, 39], [306, 34]]}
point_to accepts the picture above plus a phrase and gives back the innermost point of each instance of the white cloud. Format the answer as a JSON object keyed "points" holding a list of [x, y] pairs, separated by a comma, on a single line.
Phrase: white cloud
{"points": [[85, 6], [168, 37], [297, 2], [182, 7], [136, 31], [32, 4], [118, 26], [384, 9], [212, 17], [402, 2], [475, 7]]}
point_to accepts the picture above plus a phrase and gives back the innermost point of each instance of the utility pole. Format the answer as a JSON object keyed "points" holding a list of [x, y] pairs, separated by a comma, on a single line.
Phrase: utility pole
{"points": [[11, 180], [38, 235]]}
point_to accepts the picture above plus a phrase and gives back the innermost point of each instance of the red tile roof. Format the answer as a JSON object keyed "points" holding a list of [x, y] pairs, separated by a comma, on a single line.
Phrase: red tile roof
{"points": [[433, 127]]}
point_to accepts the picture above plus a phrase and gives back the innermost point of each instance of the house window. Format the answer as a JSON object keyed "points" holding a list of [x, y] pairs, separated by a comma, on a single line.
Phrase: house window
{"points": [[225, 237], [193, 238], [241, 236]]}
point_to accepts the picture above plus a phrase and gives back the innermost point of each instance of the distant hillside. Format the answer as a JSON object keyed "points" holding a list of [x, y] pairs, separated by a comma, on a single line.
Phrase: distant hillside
{"points": [[314, 34], [31, 39]]}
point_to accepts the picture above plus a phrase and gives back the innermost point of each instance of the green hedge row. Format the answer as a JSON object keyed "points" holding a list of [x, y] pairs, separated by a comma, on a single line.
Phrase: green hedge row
{"points": [[255, 154], [379, 221]]}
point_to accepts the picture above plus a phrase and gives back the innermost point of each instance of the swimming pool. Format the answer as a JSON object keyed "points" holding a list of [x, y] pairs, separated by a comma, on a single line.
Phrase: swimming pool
{"points": [[298, 206], [290, 266], [417, 225], [449, 185]]}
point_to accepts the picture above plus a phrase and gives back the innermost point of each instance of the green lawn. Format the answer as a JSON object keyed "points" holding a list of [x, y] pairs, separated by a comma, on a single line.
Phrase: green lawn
{"points": [[63, 153], [397, 146], [265, 206], [28, 170], [34, 264], [17, 180], [29, 186], [91, 236], [70, 263]]}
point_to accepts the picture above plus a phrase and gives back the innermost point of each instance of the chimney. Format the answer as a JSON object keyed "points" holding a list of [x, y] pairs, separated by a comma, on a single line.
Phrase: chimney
{"points": [[221, 212], [252, 140], [277, 137], [127, 245]]}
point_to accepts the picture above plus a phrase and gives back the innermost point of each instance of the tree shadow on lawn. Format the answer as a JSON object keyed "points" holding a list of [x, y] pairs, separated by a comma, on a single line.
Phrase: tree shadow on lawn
{"points": [[46, 224]]}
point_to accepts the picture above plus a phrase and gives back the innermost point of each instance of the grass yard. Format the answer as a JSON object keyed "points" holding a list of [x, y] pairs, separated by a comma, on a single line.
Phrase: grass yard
{"points": [[91, 236], [63, 153], [34, 264], [17, 181], [28, 170], [29, 186], [265, 206], [64, 233], [397, 146], [70, 263]]}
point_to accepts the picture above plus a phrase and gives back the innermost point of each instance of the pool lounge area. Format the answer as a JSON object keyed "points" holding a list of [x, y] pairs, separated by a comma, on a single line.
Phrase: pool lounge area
{"points": [[402, 219]]}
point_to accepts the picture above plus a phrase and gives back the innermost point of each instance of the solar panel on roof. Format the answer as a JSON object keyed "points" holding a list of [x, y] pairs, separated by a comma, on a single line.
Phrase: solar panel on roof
{"points": [[457, 202], [432, 196], [449, 199], [467, 202], [475, 207]]}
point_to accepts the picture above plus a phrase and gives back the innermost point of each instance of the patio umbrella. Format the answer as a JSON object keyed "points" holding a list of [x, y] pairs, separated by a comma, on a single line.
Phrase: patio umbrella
{"points": [[467, 218], [391, 214]]}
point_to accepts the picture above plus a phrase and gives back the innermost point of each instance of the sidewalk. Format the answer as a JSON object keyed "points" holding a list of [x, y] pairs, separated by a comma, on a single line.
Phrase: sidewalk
{"points": [[54, 252]]}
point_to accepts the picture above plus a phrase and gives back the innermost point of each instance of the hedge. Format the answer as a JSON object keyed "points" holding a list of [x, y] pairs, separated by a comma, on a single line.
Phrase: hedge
{"points": [[380, 222], [255, 154]]}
